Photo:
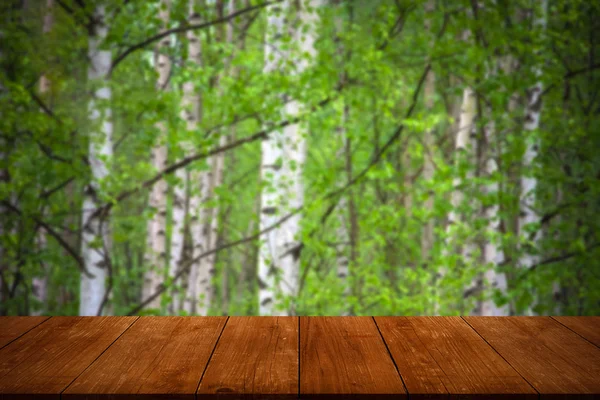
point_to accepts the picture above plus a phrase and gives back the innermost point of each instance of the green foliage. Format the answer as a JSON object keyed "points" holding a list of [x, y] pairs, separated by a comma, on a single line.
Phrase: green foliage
{"points": [[370, 57]]}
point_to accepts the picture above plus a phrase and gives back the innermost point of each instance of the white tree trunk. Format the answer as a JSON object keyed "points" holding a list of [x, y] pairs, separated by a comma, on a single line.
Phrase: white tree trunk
{"points": [[220, 173], [528, 215], [200, 296], [218, 167], [39, 284], [192, 104], [343, 235], [204, 227], [492, 255], [217, 164], [429, 146], [468, 111], [177, 237], [465, 127], [271, 171], [198, 289], [279, 254], [95, 236], [199, 281], [155, 256], [528, 183]]}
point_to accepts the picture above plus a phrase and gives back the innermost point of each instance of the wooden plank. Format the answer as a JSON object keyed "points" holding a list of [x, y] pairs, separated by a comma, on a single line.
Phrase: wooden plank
{"points": [[588, 327], [555, 360], [12, 328], [345, 357], [256, 357], [43, 362], [156, 357], [439, 357]]}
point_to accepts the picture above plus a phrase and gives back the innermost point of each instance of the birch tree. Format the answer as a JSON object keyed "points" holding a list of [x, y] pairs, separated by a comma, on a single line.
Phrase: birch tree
{"points": [[178, 230], [199, 291], [345, 205], [199, 181], [468, 112], [374, 247], [528, 215], [492, 254], [271, 172], [95, 236], [428, 144], [155, 256], [39, 284], [189, 181], [215, 180], [283, 155], [204, 223]]}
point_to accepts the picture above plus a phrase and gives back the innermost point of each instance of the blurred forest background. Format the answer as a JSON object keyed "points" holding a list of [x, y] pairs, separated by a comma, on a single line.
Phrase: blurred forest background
{"points": [[293, 157]]}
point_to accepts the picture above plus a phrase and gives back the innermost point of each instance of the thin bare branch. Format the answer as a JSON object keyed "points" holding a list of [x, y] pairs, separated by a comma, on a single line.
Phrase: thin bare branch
{"points": [[168, 32], [55, 235]]}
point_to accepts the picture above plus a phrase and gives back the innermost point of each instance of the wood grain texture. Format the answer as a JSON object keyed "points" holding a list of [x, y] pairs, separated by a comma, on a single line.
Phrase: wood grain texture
{"points": [[13, 327], [310, 357], [48, 358], [345, 357], [158, 357], [588, 327], [440, 357], [256, 357], [556, 361]]}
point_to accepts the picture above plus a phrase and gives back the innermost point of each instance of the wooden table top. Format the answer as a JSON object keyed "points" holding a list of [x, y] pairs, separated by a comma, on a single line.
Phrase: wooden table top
{"points": [[307, 357]]}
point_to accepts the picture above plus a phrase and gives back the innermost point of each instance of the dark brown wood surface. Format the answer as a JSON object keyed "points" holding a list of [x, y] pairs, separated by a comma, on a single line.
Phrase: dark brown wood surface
{"points": [[588, 327], [256, 356], [345, 357], [437, 356], [156, 356], [230, 358], [45, 360], [12, 328], [553, 359]]}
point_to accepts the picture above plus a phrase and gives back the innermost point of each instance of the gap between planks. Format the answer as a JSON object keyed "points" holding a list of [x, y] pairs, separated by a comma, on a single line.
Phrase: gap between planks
{"points": [[497, 352], [572, 330], [99, 355], [24, 332], [299, 350], [391, 357], [210, 357]]}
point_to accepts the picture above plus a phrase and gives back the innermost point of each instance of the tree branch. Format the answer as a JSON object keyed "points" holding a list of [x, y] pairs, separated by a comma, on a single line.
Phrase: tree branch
{"points": [[336, 194], [50, 192], [570, 74], [187, 265], [163, 34], [55, 235], [556, 259], [263, 134]]}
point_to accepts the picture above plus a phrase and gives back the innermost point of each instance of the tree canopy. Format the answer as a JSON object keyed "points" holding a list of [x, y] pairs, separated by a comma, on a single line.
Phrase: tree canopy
{"points": [[324, 157]]}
